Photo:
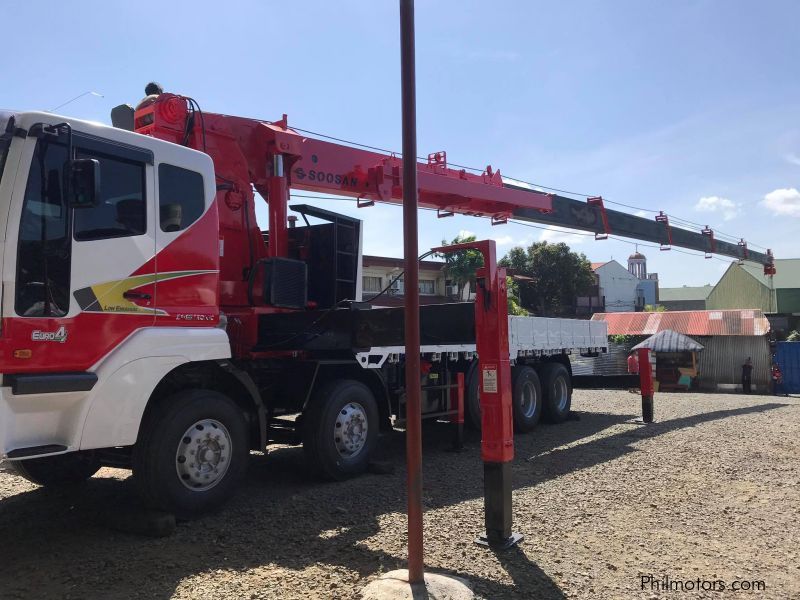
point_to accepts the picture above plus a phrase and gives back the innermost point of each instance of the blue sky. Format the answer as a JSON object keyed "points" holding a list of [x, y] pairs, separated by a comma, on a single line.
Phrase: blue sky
{"points": [[689, 107]]}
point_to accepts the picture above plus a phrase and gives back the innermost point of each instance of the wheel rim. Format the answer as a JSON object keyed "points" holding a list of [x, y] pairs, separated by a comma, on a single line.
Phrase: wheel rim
{"points": [[350, 430], [528, 400], [561, 392], [203, 455]]}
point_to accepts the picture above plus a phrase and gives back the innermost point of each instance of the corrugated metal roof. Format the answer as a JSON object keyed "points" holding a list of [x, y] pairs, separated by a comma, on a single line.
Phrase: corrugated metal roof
{"points": [[787, 273], [670, 341], [684, 293], [689, 322]]}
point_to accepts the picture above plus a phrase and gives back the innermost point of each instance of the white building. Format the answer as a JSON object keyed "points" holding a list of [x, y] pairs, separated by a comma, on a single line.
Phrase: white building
{"points": [[618, 286], [379, 272], [623, 290]]}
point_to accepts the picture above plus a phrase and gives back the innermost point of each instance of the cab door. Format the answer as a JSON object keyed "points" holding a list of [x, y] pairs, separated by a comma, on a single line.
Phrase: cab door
{"points": [[188, 245], [80, 284]]}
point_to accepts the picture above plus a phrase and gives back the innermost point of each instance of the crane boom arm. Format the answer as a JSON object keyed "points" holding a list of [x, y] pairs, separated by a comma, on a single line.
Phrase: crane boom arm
{"points": [[274, 158], [592, 216]]}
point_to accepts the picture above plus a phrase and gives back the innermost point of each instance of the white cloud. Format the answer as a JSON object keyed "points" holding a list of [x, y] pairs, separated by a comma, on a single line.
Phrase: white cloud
{"points": [[792, 159], [784, 201], [728, 208], [640, 213], [504, 240], [465, 233], [554, 236]]}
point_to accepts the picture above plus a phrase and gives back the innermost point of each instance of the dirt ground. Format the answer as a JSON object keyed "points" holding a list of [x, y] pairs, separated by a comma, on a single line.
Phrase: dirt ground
{"points": [[710, 492]]}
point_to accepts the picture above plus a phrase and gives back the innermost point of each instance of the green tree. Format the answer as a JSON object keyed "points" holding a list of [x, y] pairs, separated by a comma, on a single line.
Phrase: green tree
{"points": [[461, 266], [557, 276], [654, 308], [514, 307]]}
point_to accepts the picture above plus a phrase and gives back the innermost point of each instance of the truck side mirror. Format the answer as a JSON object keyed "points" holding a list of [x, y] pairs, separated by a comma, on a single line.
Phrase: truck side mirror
{"points": [[84, 182]]}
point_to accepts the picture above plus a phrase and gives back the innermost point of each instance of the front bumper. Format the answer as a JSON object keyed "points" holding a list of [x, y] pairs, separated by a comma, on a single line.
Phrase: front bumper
{"points": [[34, 421]]}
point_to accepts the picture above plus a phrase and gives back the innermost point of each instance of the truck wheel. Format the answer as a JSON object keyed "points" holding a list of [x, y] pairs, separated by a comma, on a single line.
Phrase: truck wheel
{"points": [[556, 392], [340, 429], [59, 470], [527, 398], [472, 402], [191, 453]]}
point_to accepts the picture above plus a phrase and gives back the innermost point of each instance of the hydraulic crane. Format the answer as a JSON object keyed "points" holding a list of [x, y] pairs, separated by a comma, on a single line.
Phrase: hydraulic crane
{"points": [[148, 322], [322, 166], [273, 158]]}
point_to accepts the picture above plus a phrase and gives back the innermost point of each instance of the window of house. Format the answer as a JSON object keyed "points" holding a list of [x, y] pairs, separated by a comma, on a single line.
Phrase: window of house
{"points": [[371, 284], [121, 208], [397, 287], [181, 197], [427, 286]]}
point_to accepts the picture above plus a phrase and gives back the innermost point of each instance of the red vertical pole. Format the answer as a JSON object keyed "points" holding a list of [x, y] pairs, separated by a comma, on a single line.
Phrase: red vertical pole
{"points": [[646, 384], [410, 251], [278, 200]]}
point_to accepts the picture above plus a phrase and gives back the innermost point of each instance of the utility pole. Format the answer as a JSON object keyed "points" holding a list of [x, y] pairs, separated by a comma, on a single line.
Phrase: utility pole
{"points": [[411, 284]]}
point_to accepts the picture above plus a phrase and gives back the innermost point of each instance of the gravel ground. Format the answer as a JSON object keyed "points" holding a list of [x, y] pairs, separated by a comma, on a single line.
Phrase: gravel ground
{"points": [[711, 491]]}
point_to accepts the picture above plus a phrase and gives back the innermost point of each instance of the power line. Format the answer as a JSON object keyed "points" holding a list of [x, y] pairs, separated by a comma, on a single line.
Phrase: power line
{"points": [[697, 254], [78, 97], [674, 218]]}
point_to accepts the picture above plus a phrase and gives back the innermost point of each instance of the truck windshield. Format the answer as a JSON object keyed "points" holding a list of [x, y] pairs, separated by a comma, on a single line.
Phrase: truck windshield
{"points": [[4, 144], [5, 140]]}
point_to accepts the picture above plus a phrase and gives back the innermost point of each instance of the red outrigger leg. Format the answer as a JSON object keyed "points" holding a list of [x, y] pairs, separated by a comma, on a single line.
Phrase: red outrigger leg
{"points": [[497, 421]]}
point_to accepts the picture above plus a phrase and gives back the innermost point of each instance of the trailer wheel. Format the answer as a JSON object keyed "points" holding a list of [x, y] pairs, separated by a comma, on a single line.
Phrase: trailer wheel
{"points": [[556, 392], [527, 398], [472, 402], [59, 470], [340, 429], [191, 453]]}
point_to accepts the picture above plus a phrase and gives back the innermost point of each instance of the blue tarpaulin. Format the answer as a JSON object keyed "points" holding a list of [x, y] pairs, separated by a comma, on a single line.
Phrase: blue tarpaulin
{"points": [[788, 359]]}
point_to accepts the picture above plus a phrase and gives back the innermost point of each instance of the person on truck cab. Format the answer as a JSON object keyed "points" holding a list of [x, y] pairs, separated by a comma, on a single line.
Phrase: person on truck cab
{"points": [[151, 91]]}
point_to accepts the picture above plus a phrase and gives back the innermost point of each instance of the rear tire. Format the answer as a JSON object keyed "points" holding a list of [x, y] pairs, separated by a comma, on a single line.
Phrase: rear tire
{"points": [[192, 453], [527, 398], [58, 471], [556, 392], [472, 401], [340, 429]]}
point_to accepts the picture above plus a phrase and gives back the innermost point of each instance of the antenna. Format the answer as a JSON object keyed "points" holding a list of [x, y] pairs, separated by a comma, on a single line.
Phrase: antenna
{"points": [[78, 97]]}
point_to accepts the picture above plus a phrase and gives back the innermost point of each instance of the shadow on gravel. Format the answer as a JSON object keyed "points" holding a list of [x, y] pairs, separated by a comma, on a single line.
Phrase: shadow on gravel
{"points": [[59, 544], [558, 462]]}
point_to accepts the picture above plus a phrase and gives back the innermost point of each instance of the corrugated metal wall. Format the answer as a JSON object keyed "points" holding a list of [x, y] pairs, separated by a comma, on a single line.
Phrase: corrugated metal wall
{"points": [[613, 362], [788, 300], [721, 361], [738, 289]]}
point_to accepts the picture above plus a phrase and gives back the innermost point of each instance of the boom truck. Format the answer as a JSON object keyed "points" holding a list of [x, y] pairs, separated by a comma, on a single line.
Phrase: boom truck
{"points": [[148, 323]]}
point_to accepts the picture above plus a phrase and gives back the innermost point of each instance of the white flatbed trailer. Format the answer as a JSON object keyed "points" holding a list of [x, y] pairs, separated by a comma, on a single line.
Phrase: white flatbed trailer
{"points": [[528, 337]]}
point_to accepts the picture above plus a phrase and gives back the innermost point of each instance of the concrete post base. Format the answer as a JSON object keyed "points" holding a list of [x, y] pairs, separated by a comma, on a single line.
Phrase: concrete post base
{"points": [[394, 586]]}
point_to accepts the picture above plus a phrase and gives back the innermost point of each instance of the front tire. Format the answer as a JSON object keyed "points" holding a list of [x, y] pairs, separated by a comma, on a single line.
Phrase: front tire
{"points": [[340, 429], [556, 391], [58, 471], [192, 453]]}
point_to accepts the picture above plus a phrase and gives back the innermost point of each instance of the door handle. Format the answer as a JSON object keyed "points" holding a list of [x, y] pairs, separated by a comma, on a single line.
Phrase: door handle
{"points": [[129, 295]]}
